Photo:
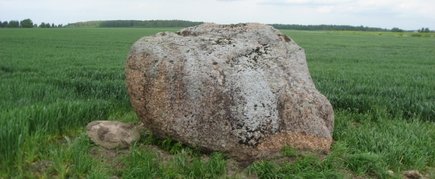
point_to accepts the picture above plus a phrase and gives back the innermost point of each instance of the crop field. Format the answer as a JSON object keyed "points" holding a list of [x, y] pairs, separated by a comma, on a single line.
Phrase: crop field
{"points": [[54, 81]]}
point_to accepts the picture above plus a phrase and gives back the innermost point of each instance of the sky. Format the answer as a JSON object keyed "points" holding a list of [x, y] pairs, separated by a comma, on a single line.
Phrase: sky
{"points": [[404, 14]]}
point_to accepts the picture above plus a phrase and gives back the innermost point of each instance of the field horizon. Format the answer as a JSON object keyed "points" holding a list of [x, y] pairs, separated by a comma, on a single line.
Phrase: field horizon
{"points": [[177, 23], [55, 81]]}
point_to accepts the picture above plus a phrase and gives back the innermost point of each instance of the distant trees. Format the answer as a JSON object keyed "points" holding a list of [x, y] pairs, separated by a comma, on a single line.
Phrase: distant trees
{"points": [[13, 24], [3, 24], [44, 25], [423, 30], [26, 23], [148, 23], [135, 23], [182, 23], [395, 29], [326, 27], [48, 25]]}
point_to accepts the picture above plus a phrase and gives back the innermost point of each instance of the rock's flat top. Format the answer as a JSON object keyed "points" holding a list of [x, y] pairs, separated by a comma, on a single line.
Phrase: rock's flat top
{"points": [[242, 89]]}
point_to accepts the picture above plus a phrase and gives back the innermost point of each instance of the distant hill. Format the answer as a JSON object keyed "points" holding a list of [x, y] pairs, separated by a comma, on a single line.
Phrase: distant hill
{"points": [[327, 27], [134, 23], [183, 23]]}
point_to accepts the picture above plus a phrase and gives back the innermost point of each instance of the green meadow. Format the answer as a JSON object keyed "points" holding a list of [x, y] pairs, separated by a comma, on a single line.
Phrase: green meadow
{"points": [[54, 81]]}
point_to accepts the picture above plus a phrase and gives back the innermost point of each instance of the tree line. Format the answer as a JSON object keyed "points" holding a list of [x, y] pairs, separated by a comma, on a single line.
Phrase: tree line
{"points": [[135, 23], [327, 27], [27, 23], [424, 30], [182, 23]]}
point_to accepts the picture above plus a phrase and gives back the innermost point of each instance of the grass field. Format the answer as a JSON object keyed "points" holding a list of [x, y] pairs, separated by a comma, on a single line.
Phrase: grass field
{"points": [[54, 81]]}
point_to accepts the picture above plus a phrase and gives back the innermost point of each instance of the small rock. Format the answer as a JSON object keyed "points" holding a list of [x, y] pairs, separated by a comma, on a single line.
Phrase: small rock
{"points": [[390, 172], [112, 134], [412, 174]]}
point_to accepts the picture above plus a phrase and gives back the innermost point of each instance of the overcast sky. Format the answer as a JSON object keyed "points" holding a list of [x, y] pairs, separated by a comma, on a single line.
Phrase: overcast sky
{"points": [[406, 14]]}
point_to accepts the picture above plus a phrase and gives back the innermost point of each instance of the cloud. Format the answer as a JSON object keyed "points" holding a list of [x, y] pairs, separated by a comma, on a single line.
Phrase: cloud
{"points": [[405, 8], [228, 0], [383, 13], [308, 3]]}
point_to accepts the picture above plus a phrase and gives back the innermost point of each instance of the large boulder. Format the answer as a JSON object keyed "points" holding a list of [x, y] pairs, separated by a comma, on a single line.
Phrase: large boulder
{"points": [[242, 89]]}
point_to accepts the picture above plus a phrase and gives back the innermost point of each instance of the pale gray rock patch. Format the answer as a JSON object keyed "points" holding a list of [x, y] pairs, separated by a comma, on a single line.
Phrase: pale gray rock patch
{"points": [[112, 134]]}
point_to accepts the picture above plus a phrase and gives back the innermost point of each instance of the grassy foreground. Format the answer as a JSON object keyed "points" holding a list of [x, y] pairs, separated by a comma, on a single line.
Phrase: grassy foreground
{"points": [[54, 81]]}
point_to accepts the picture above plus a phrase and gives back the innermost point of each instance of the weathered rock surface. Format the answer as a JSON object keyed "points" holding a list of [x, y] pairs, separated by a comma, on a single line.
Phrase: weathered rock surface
{"points": [[241, 89], [112, 134]]}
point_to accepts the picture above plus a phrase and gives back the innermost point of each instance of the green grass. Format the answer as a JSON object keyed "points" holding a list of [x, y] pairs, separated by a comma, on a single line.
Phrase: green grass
{"points": [[367, 72], [54, 81], [145, 164]]}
